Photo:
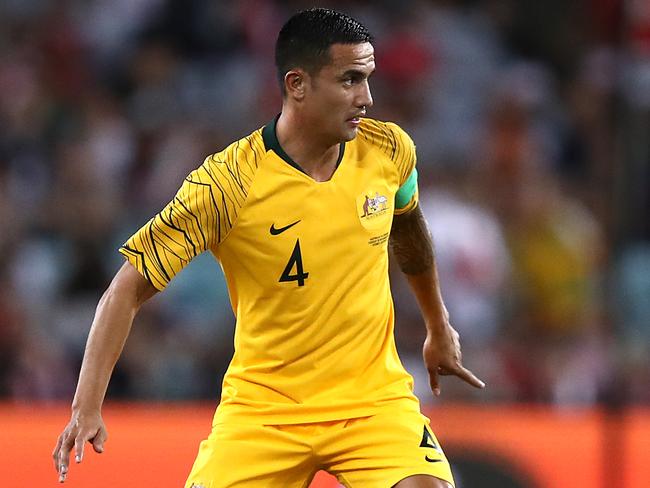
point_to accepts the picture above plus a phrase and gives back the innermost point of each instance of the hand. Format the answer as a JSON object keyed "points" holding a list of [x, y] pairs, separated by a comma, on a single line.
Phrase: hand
{"points": [[442, 356], [80, 429]]}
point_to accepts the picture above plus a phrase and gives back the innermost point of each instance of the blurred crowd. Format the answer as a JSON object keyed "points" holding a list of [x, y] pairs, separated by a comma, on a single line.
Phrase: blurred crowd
{"points": [[532, 122]]}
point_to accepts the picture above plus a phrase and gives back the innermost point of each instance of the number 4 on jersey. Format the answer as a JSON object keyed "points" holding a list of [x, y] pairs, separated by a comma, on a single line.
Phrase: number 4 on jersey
{"points": [[296, 259]]}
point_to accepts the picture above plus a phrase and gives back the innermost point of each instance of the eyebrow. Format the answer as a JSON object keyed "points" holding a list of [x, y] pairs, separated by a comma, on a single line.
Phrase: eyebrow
{"points": [[356, 72]]}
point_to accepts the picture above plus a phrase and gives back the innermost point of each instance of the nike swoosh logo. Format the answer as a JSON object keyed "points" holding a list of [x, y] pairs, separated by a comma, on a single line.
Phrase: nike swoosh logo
{"points": [[274, 231], [427, 458]]}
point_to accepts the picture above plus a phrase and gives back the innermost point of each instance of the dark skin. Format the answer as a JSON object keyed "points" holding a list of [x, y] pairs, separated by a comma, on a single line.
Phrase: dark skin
{"points": [[320, 110]]}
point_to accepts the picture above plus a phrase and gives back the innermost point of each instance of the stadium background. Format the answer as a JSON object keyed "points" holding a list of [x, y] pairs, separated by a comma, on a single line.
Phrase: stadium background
{"points": [[532, 125]]}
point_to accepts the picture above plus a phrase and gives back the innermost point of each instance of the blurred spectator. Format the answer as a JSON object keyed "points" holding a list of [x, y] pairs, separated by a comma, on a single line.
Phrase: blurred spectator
{"points": [[631, 302], [106, 106]]}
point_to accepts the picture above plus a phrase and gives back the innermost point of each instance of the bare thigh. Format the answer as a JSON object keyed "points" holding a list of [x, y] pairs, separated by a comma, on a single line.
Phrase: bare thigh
{"points": [[422, 481]]}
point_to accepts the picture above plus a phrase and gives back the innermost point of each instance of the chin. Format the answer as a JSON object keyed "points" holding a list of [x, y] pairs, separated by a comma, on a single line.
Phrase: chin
{"points": [[350, 134]]}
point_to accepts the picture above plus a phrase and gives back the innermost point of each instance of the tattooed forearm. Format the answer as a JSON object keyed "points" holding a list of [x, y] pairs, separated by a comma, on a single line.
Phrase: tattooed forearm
{"points": [[411, 242]]}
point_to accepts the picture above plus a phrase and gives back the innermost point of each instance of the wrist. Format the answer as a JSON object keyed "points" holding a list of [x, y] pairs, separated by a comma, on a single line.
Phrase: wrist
{"points": [[438, 321], [81, 408]]}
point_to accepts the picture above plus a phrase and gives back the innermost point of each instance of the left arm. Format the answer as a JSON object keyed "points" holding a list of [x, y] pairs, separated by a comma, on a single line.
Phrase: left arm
{"points": [[412, 247]]}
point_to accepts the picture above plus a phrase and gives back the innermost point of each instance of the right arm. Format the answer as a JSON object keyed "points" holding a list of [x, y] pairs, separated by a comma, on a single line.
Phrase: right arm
{"points": [[110, 328], [194, 221]]}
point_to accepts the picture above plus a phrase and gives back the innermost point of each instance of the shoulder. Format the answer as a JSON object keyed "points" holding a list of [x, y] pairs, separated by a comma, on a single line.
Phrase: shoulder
{"points": [[244, 155], [234, 167], [381, 131], [393, 141], [386, 136], [226, 176]]}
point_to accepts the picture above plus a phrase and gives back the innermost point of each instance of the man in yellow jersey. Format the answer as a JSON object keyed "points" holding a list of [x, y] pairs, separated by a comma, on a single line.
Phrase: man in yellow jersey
{"points": [[299, 214]]}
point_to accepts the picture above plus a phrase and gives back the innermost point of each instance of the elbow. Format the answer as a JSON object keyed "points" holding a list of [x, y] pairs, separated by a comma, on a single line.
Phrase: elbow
{"points": [[129, 288]]}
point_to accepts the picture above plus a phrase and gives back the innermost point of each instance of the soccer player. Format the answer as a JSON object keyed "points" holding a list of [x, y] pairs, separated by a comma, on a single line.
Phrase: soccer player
{"points": [[300, 215]]}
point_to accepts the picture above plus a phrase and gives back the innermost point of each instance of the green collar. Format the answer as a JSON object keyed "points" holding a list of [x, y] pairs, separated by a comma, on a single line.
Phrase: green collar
{"points": [[271, 143]]}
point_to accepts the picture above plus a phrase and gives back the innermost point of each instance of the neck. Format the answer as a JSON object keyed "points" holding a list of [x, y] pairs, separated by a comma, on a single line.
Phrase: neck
{"points": [[315, 155]]}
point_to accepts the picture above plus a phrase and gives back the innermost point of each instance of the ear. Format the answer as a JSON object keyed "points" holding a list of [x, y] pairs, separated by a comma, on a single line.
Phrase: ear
{"points": [[295, 84]]}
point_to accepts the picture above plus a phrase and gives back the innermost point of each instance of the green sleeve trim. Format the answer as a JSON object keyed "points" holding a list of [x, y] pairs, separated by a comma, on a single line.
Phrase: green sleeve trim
{"points": [[407, 190]]}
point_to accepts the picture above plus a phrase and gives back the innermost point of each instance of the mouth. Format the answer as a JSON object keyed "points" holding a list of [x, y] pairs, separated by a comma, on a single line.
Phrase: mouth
{"points": [[356, 120]]}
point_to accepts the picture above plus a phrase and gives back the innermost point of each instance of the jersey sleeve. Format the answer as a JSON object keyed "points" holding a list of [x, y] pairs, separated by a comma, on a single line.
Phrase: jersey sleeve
{"points": [[404, 157], [197, 219]]}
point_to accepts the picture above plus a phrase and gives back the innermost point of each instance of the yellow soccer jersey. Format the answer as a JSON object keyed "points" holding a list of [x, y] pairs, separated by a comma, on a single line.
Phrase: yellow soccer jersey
{"points": [[306, 265]]}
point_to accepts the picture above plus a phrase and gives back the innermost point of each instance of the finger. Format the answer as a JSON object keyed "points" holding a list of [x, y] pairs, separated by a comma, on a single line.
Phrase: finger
{"points": [[64, 455], [79, 443], [55, 453], [98, 441], [433, 381], [469, 377]]}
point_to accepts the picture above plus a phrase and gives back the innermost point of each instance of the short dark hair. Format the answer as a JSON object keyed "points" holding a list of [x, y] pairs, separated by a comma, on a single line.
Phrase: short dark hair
{"points": [[305, 39]]}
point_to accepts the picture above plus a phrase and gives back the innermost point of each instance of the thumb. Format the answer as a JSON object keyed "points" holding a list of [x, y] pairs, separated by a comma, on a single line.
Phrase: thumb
{"points": [[433, 381], [98, 441]]}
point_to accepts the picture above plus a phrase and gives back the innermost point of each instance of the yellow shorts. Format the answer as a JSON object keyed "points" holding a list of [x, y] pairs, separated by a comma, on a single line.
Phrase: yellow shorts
{"points": [[367, 452]]}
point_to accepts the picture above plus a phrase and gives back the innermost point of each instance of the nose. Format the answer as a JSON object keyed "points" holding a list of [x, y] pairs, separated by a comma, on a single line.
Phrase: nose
{"points": [[364, 98]]}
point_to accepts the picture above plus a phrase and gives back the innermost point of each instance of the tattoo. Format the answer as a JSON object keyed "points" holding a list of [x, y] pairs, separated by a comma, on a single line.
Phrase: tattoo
{"points": [[411, 242]]}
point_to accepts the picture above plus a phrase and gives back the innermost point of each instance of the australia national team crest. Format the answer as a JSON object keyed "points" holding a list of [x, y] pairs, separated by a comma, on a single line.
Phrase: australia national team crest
{"points": [[374, 206], [371, 207]]}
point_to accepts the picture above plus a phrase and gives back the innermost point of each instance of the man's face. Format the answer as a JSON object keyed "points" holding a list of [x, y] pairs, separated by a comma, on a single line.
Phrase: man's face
{"points": [[338, 95]]}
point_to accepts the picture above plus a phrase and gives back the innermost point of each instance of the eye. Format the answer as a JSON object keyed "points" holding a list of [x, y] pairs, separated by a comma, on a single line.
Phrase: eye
{"points": [[352, 79]]}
